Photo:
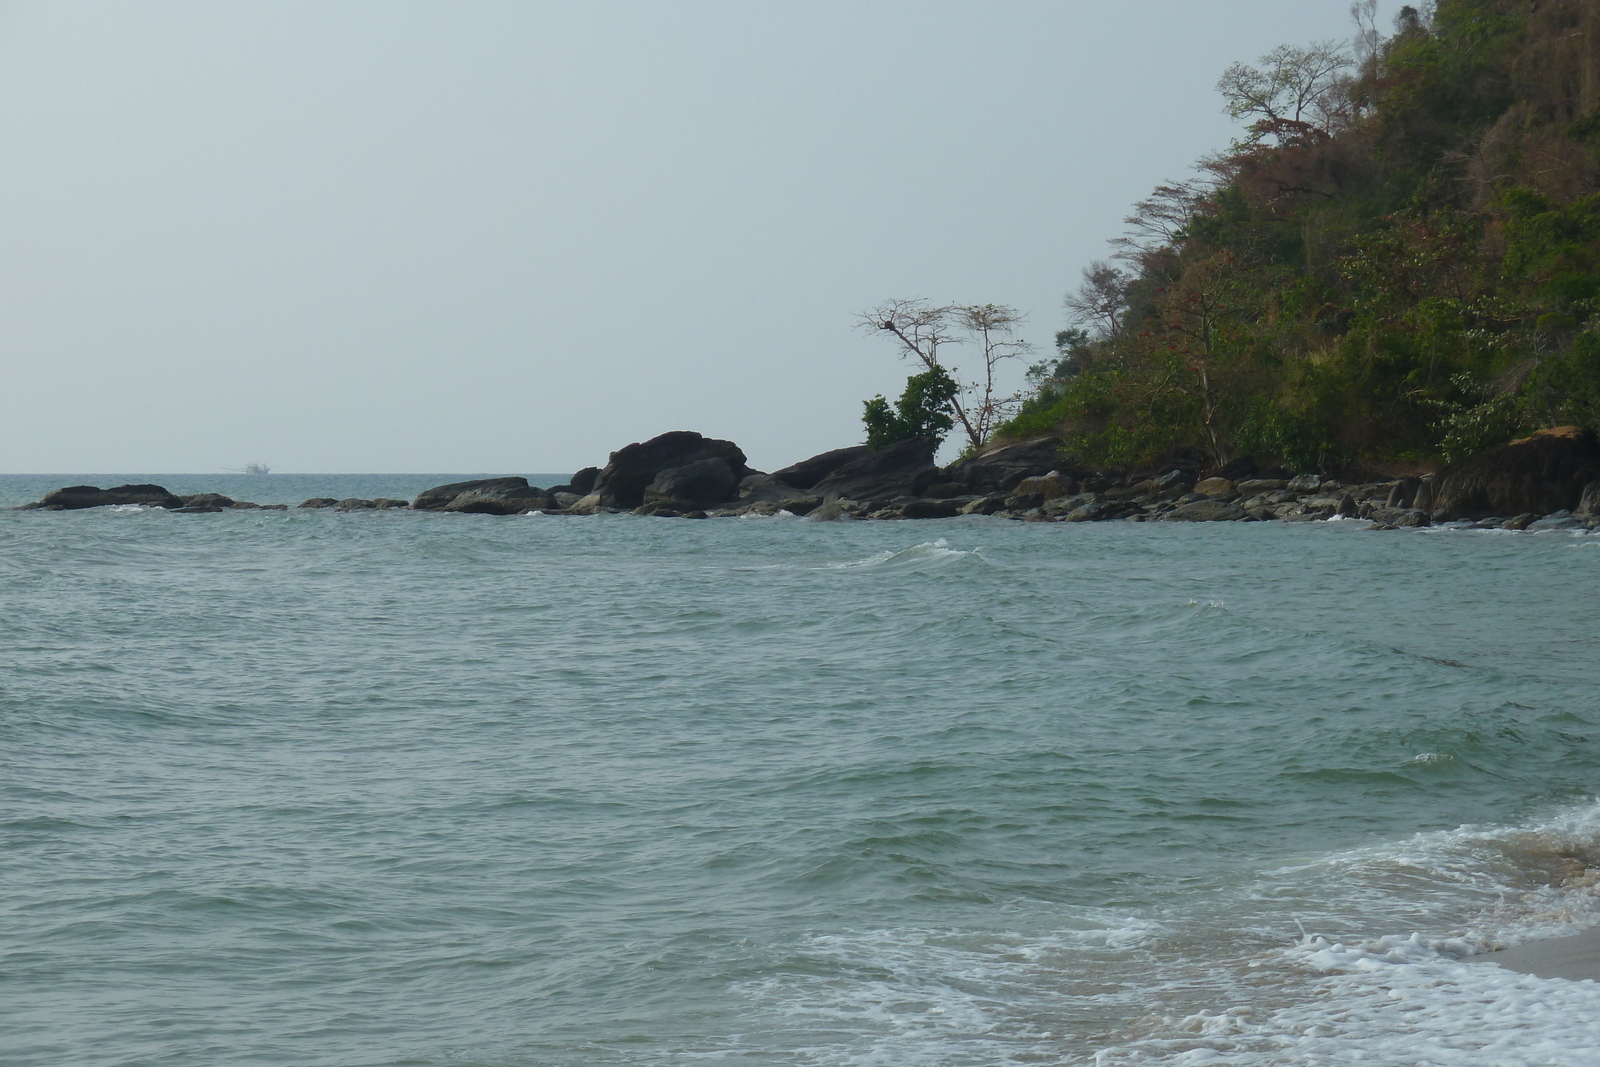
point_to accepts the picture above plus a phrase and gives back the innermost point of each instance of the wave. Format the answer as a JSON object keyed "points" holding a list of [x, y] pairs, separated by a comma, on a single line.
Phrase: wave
{"points": [[928, 552]]}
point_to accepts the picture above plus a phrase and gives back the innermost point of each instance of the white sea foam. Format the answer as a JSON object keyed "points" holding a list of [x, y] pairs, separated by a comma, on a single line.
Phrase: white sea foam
{"points": [[927, 552]]}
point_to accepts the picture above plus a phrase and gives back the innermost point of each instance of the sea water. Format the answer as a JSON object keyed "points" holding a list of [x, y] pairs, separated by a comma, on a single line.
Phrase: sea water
{"points": [[321, 788]]}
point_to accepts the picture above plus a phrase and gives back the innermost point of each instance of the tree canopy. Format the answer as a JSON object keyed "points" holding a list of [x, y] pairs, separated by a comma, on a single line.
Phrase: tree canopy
{"points": [[1398, 262]]}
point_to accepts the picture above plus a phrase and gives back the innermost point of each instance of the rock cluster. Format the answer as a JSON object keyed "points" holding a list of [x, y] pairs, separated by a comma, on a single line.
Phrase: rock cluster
{"points": [[1550, 480]]}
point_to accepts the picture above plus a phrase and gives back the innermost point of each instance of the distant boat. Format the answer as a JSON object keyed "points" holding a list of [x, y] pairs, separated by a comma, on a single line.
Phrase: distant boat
{"points": [[250, 468]]}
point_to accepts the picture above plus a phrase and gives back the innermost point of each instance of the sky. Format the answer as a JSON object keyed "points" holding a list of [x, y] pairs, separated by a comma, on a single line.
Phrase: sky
{"points": [[511, 237]]}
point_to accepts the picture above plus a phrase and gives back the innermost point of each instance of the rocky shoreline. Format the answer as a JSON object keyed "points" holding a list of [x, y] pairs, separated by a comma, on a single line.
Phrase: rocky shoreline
{"points": [[1550, 480]]}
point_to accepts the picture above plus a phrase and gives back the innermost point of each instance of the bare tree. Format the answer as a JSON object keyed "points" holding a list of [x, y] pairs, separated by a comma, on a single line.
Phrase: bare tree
{"points": [[1159, 219], [1364, 13], [991, 327], [1293, 89], [921, 328], [1100, 301]]}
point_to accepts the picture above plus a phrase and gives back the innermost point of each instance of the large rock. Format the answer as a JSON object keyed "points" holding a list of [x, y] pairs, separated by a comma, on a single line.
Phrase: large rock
{"points": [[1543, 473], [1001, 467], [904, 468], [1215, 487], [623, 482], [808, 472], [77, 497], [1047, 486], [507, 498], [207, 500], [703, 483], [440, 496], [1589, 501], [1206, 511]]}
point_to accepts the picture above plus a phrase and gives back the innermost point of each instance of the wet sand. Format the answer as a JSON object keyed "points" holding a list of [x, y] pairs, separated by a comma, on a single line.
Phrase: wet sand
{"points": [[1576, 957]]}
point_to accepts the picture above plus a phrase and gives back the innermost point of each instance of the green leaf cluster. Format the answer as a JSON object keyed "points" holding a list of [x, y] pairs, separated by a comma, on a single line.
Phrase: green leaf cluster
{"points": [[923, 410]]}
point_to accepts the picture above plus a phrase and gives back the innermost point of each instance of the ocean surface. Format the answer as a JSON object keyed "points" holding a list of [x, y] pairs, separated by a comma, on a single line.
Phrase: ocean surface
{"points": [[395, 788]]}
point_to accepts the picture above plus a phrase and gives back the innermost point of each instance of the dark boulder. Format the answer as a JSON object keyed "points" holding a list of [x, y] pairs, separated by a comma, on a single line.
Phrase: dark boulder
{"points": [[440, 497], [1543, 473], [1238, 469], [929, 509], [902, 469], [500, 500], [583, 481], [385, 503], [207, 500], [623, 482], [319, 502], [76, 497], [1206, 511], [703, 483], [353, 503], [1001, 467], [808, 472]]}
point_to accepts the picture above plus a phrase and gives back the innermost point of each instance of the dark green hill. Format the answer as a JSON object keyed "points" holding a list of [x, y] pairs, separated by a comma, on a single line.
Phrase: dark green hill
{"points": [[1398, 264]]}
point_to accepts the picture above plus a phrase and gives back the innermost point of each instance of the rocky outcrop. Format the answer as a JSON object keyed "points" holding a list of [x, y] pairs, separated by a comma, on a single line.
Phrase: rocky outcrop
{"points": [[808, 472], [78, 497], [207, 500], [500, 500], [1544, 473], [623, 481], [701, 484], [492, 496], [1002, 467], [902, 469]]}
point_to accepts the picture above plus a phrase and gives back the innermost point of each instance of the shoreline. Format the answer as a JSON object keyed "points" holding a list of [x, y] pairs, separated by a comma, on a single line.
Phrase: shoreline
{"points": [[1575, 957], [683, 474]]}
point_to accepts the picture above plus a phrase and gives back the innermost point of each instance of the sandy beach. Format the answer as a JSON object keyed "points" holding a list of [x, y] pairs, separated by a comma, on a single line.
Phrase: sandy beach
{"points": [[1576, 957]]}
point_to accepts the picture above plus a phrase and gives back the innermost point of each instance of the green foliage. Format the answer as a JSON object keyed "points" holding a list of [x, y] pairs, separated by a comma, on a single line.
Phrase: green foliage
{"points": [[1418, 279], [923, 410], [1480, 419]]}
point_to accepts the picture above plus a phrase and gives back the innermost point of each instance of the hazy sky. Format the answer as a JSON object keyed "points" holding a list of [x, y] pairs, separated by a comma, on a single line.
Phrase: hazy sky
{"points": [[512, 237]]}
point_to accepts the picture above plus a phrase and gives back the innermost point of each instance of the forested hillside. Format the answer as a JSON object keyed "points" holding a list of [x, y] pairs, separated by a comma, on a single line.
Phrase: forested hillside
{"points": [[1398, 263]]}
